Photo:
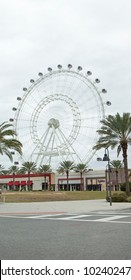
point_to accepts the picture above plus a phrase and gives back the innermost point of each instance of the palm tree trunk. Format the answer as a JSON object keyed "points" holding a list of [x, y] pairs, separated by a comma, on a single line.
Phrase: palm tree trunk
{"points": [[81, 186], [13, 181], [124, 148], [28, 183], [67, 174], [44, 183], [117, 186]]}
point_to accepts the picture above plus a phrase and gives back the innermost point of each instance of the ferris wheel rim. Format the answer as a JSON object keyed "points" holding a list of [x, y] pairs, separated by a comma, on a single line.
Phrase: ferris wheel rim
{"points": [[28, 90], [46, 77]]}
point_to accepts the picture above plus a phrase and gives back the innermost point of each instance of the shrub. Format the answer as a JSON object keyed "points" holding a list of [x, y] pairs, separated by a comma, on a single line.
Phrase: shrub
{"points": [[129, 199], [118, 197], [123, 187]]}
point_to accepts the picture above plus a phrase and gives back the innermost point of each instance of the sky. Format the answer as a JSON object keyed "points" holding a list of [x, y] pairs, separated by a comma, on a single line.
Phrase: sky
{"points": [[36, 34]]}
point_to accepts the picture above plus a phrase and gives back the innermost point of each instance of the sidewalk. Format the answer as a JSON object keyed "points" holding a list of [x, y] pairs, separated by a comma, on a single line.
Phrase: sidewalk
{"points": [[83, 206]]}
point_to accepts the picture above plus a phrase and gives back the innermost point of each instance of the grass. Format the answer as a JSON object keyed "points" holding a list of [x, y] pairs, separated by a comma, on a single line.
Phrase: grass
{"points": [[38, 196]]}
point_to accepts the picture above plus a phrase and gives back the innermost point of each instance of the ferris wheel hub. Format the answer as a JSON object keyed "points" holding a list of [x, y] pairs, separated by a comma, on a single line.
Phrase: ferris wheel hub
{"points": [[53, 123]]}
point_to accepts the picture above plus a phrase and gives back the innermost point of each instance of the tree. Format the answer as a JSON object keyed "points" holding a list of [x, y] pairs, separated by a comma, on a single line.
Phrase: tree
{"points": [[45, 168], [28, 167], [66, 166], [2, 169], [81, 168], [116, 164], [115, 132], [13, 170], [8, 141]]}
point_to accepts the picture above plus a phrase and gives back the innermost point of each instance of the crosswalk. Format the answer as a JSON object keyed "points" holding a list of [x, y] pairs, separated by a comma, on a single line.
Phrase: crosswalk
{"points": [[113, 217]]}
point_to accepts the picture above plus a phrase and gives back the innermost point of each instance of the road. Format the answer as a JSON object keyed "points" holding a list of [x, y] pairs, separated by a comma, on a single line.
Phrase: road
{"points": [[82, 236]]}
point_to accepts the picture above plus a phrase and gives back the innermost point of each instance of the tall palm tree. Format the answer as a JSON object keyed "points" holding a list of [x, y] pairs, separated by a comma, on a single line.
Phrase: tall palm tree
{"points": [[8, 141], [116, 164], [28, 167], [115, 132], [13, 170], [66, 166], [45, 168], [81, 168]]}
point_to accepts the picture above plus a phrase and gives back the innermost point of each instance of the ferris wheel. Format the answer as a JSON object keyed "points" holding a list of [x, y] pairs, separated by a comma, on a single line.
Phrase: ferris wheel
{"points": [[57, 117]]}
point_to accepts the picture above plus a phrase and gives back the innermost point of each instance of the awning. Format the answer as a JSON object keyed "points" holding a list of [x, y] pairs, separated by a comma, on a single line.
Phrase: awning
{"points": [[16, 183], [23, 183], [10, 183], [29, 183]]}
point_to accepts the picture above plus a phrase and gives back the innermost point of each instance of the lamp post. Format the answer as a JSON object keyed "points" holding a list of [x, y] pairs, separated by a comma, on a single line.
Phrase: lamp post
{"points": [[107, 158], [106, 182]]}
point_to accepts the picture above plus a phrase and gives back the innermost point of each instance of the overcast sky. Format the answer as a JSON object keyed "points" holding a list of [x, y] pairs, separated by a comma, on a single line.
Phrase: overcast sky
{"points": [[36, 34]]}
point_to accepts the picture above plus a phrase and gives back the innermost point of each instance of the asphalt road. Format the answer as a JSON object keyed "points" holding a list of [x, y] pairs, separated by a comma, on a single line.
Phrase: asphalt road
{"points": [[83, 238]]}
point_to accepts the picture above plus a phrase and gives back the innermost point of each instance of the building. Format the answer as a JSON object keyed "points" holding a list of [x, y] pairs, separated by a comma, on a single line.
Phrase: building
{"points": [[93, 180], [117, 177], [21, 181]]}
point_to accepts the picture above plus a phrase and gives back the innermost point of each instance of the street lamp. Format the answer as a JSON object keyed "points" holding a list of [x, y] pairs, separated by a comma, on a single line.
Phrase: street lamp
{"points": [[107, 158], [106, 181]]}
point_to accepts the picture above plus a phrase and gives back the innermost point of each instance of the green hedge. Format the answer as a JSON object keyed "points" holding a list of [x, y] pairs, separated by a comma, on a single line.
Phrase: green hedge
{"points": [[118, 197], [123, 187], [129, 199]]}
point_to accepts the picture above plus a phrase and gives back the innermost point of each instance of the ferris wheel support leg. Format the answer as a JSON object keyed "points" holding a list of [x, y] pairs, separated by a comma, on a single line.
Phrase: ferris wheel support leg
{"points": [[51, 149], [66, 142], [48, 143], [45, 136], [61, 142], [57, 145]]}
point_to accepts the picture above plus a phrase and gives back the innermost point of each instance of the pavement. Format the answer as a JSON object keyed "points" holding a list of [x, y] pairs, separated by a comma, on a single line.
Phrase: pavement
{"points": [[80, 206]]}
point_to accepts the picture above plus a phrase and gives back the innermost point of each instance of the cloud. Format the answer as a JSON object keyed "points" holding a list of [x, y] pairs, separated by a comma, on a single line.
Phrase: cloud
{"points": [[35, 34]]}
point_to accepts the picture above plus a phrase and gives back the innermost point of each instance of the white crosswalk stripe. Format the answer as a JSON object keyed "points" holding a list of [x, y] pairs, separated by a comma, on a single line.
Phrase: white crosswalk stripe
{"points": [[121, 218], [74, 217], [93, 217], [43, 216], [110, 218]]}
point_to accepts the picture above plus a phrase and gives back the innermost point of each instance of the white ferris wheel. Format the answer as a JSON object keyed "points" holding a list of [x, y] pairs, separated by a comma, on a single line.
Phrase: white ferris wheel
{"points": [[57, 117]]}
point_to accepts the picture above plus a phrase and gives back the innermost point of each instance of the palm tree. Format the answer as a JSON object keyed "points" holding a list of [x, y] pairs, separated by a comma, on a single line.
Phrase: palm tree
{"points": [[116, 132], [81, 168], [13, 170], [8, 141], [4, 172], [2, 169], [66, 166], [28, 167], [116, 164], [45, 168]]}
